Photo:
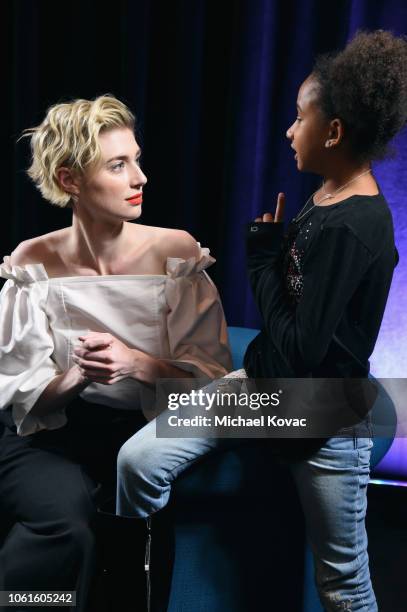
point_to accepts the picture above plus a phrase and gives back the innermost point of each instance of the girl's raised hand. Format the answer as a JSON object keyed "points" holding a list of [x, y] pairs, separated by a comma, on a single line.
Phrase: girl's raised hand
{"points": [[279, 214]]}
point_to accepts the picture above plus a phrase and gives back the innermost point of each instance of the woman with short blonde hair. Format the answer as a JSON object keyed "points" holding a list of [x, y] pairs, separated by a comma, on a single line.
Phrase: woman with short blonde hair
{"points": [[69, 136], [91, 316]]}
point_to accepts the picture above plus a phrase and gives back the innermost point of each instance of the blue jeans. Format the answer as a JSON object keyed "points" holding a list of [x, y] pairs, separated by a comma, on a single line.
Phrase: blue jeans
{"points": [[331, 484], [332, 487]]}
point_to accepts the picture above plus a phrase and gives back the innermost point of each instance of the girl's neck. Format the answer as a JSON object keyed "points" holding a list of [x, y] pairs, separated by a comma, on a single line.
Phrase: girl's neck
{"points": [[345, 180], [342, 173]]}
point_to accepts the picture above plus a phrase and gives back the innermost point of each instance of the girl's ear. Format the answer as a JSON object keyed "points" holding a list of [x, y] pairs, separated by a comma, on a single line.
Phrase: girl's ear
{"points": [[336, 133]]}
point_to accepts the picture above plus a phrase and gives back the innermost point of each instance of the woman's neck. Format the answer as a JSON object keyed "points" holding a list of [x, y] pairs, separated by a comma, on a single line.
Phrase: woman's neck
{"points": [[97, 244]]}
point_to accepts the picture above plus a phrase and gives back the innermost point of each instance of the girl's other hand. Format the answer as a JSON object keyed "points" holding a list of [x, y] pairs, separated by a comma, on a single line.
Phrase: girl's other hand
{"points": [[279, 214]]}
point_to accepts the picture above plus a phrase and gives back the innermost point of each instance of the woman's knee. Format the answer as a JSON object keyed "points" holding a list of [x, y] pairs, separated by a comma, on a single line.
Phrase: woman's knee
{"points": [[76, 538], [63, 540]]}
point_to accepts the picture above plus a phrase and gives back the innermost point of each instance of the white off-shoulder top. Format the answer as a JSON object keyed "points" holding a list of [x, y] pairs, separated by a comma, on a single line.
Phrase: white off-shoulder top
{"points": [[177, 316]]}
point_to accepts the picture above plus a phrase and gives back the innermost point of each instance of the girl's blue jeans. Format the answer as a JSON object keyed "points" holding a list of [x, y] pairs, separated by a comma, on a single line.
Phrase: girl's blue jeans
{"points": [[331, 484]]}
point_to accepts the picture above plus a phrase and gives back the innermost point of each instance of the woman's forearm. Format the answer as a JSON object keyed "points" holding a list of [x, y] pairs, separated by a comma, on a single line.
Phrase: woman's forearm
{"points": [[65, 387], [148, 369], [60, 392]]}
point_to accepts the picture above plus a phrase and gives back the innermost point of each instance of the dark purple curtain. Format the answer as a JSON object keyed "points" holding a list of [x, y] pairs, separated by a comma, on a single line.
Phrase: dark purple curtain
{"points": [[213, 85]]}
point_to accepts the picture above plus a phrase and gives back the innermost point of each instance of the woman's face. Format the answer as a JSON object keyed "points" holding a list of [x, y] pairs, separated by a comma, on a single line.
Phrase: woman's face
{"points": [[310, 130], [114, 190]]}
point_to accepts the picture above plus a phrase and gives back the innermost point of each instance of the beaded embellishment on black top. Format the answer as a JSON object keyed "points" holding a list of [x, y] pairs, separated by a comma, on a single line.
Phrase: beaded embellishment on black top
{"points": [[297, 240]]}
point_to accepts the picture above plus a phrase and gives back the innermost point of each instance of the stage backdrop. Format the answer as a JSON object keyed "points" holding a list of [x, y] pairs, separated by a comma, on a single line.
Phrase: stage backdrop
{"points": [[214, 87]]}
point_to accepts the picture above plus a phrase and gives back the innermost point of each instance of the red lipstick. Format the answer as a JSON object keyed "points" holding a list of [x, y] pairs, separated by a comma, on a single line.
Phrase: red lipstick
{"points": [[136, 200]]}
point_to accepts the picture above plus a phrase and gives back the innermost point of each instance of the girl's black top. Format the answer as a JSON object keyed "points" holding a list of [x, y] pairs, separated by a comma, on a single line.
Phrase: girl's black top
{"points": [[321, 289]]}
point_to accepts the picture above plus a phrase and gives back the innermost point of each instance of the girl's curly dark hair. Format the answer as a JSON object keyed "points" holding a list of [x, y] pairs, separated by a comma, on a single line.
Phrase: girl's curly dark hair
{"points": [[365, 86]]}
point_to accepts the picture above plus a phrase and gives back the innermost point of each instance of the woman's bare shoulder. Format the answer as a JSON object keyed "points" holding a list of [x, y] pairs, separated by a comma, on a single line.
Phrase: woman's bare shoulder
{"points": [[40, 249], [173, 242]]}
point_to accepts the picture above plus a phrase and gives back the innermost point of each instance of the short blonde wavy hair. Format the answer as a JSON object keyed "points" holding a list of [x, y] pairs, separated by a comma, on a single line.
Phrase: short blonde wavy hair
{"points": [[68, 136]]}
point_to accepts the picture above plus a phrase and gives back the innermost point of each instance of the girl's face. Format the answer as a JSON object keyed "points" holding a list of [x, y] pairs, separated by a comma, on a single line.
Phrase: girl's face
{"points": [[114, 191], [310, 130]]}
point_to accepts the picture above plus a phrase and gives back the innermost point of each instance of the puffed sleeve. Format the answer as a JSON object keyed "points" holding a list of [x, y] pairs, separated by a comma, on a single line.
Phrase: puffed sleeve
{"points": [[26, 346], [197, 330]]}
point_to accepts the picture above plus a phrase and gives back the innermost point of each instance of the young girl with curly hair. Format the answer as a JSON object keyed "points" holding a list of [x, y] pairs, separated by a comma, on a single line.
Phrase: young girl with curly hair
{"points": [[323, 309]]}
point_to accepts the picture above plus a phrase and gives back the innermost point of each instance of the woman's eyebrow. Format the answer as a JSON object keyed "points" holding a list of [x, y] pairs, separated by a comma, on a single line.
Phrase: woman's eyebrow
{"points": [[124, 157]]}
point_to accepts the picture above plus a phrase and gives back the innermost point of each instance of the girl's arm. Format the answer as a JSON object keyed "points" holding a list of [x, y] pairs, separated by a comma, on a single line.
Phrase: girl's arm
{"points": [[332, 270]]}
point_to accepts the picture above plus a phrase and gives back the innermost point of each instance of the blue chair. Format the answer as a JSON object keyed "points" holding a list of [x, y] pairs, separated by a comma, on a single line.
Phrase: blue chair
{"points": [[232, 537], [226, 542]]}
